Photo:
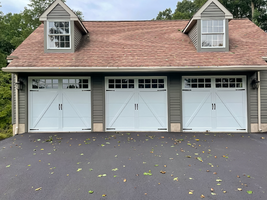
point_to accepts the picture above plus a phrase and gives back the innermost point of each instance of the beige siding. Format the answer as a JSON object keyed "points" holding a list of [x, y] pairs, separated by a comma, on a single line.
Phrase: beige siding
{"points": [[193, 35]]}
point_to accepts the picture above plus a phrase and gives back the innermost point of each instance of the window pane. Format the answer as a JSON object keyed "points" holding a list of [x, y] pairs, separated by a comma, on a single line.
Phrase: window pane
{"points": [[111, 80], [85, 86], [161, 80], [118, 80]]}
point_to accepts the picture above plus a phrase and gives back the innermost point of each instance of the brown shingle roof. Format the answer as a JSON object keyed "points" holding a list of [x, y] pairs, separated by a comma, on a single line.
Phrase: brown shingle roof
{"points": [[147, 44]]}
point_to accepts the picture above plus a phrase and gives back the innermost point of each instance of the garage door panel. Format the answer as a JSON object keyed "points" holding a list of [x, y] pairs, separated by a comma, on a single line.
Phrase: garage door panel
{"points": [[76, 110], [140, 106], [224, 109], [43, 109], [52, 108], [120, 110]]}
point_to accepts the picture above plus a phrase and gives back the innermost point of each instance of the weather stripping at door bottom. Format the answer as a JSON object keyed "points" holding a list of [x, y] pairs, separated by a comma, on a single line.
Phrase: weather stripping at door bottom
{"points": [[239, 89], [34, 129], [86, 129], [187, 129], [111, 129], [161, 90], [240, 129]]}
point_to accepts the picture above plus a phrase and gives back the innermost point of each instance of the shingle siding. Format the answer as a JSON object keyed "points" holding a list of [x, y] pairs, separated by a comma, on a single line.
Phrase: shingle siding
{"points": [[212, 11], [58, 13]]}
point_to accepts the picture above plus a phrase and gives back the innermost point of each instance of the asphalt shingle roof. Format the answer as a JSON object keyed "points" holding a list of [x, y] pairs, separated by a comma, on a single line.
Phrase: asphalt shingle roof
{"points": [[147, 44]]}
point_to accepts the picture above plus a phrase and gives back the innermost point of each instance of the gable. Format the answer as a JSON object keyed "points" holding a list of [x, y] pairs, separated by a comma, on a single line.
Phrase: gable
{"points": [[212, 11], [58, 13]]}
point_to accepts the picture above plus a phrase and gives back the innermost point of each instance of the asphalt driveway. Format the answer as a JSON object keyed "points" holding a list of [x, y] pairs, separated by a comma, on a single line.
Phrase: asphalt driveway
{"points": [[134, 166]]}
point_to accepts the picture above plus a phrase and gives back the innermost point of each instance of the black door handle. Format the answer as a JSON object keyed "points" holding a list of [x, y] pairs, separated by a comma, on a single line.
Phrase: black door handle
{"points": [[61, 106]]}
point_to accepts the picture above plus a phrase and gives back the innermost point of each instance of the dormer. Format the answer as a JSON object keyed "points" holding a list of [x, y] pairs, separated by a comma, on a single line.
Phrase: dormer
{"points": [[63, 30], [208, 29]]}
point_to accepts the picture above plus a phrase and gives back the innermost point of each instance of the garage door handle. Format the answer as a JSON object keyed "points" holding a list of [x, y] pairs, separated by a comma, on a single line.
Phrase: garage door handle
{"points": [[58, 106], [215, 106], [61, 106], [212, 106], [137, 106]]}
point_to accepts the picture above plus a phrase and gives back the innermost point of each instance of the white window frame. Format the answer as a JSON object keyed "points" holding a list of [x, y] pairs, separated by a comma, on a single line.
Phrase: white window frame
{"points": [[48, 34], [219, 33]]}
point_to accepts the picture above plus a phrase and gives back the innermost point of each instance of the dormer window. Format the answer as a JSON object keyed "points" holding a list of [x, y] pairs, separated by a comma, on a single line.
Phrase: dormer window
{"points": [[213, 33], [58, 35]]}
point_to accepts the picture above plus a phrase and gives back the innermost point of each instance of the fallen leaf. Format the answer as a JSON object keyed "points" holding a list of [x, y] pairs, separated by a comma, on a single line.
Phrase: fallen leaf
{"points": [[81, 154], [191, 192], [239, 189], [116, 169], [104, 195], [202, 196], [188, 156], [197, 140], [124, 180], [90, 191], [224, 192], [37, 189], [163, 172], [238, 176], [8, 166], [211, 189], [249, 192], [263, 138], [214, 172], [175, 179], [213, 193], [156, 165], [79, 169], [219, 180]]}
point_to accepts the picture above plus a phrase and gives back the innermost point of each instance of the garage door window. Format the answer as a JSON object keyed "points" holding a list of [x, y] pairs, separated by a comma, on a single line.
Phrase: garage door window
{"points": [[44, 84], [229, 83], [121, 83], [75, 84], [197, 83], [151, 83]]}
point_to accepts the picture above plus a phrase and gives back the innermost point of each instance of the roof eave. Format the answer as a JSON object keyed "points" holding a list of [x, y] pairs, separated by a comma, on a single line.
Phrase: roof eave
{"points": [[136, 69]]}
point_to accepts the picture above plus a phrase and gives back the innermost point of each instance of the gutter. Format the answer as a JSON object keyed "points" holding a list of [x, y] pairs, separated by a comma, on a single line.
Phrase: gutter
{"points": [[17, 106], [259, 104], [136, 69]]}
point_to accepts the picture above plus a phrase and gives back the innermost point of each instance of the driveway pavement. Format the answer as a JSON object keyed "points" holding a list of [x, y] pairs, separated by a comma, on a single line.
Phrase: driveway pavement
{"points": [[133, 166]]}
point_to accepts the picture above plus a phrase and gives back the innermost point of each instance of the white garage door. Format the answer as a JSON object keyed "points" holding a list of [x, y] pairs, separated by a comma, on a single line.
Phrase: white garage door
{"points": [[136, 104], [59, 104], [214, 104]]}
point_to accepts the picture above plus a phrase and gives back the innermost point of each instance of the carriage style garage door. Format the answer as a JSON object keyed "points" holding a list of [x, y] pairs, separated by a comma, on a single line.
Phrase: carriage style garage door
{"points": [[59, 104], [214, 104], [136, 104]]}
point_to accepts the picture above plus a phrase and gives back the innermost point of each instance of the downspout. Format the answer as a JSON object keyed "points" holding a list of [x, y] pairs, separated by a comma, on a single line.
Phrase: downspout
{"points": [[17, 105], [259, 103]]}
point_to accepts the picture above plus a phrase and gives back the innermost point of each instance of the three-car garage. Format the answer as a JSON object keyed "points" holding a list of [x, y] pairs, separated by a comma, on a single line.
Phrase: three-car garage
{"points": [[138, 103]]}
